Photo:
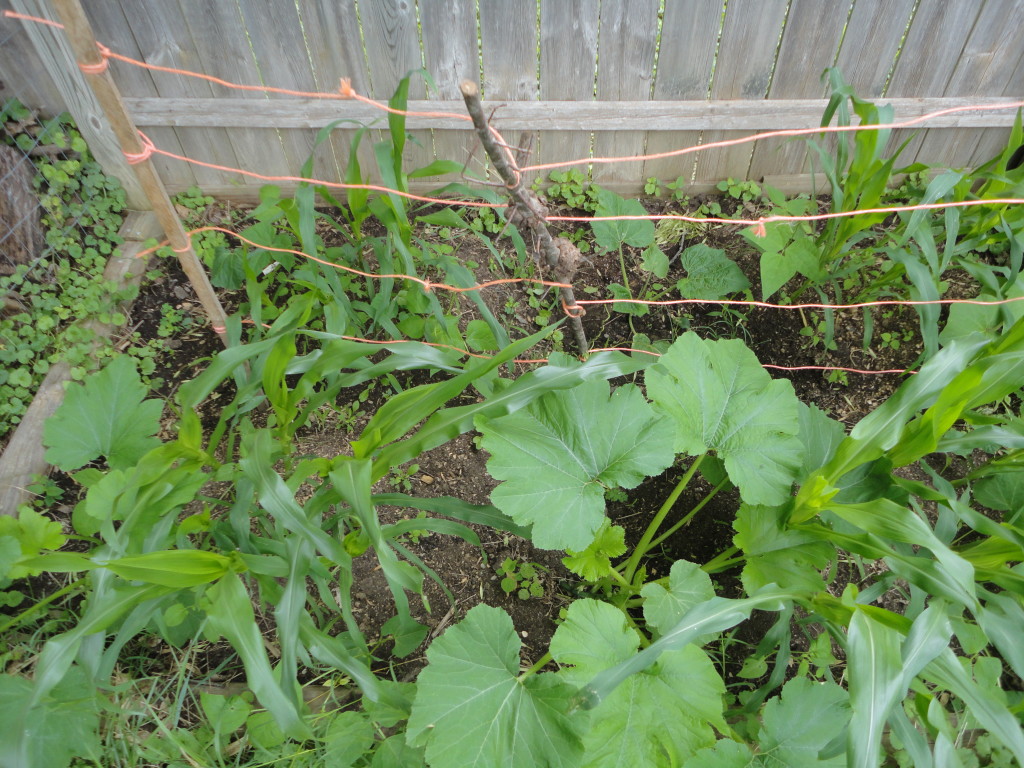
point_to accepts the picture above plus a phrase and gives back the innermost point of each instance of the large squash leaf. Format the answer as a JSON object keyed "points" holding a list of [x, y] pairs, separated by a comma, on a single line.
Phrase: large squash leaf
{"points": [[558, 455], [776, 553], [472, 710], [688, 586], [796, 727], [660, 716], [722, 400], [108, 416]]}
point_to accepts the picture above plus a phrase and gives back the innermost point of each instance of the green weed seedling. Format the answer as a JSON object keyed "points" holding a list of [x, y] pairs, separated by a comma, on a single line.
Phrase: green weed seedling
{"points": [[570, 188], [525, 580], [743, 191], [82, 215]]}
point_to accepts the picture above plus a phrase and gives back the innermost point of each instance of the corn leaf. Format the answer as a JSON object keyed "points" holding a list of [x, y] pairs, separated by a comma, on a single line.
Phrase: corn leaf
{"points": [[229, 612]]}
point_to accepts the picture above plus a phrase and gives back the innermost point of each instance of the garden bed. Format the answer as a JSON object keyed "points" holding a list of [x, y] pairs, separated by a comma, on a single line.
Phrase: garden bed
{"points": [[476, 555]]}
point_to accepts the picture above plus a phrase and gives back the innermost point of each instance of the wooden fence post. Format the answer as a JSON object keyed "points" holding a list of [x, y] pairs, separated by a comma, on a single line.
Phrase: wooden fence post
{"points": [[93, 63]]}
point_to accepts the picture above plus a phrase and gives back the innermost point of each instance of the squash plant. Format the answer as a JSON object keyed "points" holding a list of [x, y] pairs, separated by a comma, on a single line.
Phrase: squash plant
{"points": [[631, 683]]}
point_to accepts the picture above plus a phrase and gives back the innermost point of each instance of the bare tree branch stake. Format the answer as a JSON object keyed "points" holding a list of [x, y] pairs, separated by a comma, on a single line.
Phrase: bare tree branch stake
{"points": [[558, 254]]}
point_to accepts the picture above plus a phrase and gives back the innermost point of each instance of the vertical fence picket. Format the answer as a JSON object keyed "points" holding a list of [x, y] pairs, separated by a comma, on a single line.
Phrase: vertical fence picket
{"points": [[508, 40], [870, 43], [985, 67], [222, 50], [568, 60], [279, 49], [451, 55], [689, 34], [392, 42], [992, 140], [743, 70], [930, 54], [158, 31], [626, 45], [336, 52], [809, 45]]}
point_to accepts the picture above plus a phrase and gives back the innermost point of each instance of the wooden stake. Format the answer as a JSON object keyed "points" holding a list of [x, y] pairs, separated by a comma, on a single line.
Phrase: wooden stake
{"points": [[527, 210], [83, 43]]}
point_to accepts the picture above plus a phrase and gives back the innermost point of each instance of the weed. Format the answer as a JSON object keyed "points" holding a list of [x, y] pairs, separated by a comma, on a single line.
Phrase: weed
{"points": [[570, 188], [82, 215], [743, 191], [400, 478], [525, 580]]}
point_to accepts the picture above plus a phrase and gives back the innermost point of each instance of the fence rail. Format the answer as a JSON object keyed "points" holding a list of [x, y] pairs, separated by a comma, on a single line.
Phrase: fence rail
{"points": [[592, 77]]}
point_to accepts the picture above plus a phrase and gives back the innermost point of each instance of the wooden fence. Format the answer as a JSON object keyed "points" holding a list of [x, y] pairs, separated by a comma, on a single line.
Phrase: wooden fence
{"points": [[591, 77]]}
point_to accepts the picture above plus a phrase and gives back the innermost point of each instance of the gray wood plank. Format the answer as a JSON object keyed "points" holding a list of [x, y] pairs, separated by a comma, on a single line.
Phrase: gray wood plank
{"points": [[451, 55], [626, 46], [988, 66], [23, 76], [562, 116], [391, 26], [992, 141], [810, 43], [870, 44], [155, 33], [743, 70], [508, 41], [336, 52], [222, 49], [686, 59], [935, 42], [278, 44], [568, 65]]}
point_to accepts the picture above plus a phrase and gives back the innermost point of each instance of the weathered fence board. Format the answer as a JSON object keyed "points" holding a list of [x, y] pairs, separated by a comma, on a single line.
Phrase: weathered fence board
{"points": [[151, 36], [222, 50], [686, 59], [984, 68], [508, 42], [562, 116], [278, 48], [568, 64], [626, 46], [450, 55], [391, 37], [592, 77], [810, 41], [934, 43], [336, 52], [743, 70], [871, 41]]}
